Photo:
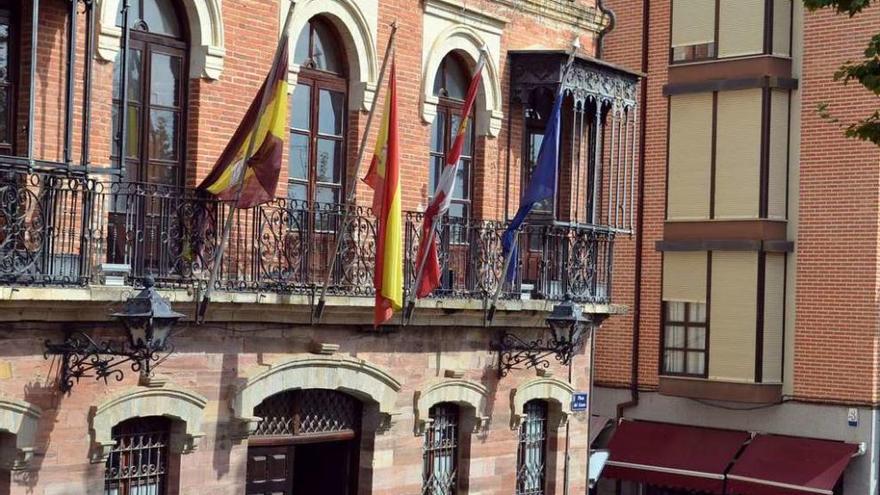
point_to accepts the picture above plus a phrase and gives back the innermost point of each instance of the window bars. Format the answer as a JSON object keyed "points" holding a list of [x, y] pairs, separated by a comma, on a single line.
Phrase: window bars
{"points": [[440, 452], [531, 464], [306, 412], [138, 463]]}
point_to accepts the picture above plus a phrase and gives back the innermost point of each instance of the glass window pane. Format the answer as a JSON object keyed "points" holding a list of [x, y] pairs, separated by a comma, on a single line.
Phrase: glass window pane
{"points": [[298, 160], [161, 174], [163, 134], [438, 131], [696, 363], [5, 134], [297, 191], [468, 148], [437, 162], [458, 210], [674, 336], [697, 312], [328, 195], [134, 13], [4, 48], [165, 80], [132, 130], [462, 180], [301, 51], [673, 361], [328, 166], [134, 75], [330, 108], [325, 49], [454, 79], [696, 338], [301, 107], [160, 17], [674, 311]]}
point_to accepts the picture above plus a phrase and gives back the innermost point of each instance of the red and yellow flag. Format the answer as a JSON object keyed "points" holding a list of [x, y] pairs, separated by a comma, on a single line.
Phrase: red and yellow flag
{"points": [[265, 121], [384, 178]]}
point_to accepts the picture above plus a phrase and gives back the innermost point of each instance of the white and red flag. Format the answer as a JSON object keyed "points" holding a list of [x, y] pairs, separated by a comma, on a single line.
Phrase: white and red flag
{"points": [[428, 277]]}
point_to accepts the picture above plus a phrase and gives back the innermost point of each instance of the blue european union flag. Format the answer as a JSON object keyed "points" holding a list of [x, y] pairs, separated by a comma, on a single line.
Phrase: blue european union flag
{"points": [[542, 184]]}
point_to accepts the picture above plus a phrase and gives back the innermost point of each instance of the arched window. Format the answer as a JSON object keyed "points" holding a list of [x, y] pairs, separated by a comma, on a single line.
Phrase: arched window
{"points": [[531, 456], [157, 66], [441, 451], [318, 117], [450, 87], [139, 463]]}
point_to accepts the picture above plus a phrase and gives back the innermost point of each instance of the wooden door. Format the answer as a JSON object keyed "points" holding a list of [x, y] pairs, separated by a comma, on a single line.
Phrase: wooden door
{"points": [[270, 470]]}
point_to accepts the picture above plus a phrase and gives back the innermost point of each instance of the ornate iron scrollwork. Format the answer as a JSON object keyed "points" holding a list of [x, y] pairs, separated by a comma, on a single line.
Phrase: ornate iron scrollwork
{"points": [[84, 357], [517, 353]]}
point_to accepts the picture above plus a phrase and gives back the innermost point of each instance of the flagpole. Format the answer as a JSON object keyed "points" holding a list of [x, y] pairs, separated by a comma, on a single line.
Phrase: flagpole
{"points": [[227, 226], [349, 197], [515, 244], [411, 307]]}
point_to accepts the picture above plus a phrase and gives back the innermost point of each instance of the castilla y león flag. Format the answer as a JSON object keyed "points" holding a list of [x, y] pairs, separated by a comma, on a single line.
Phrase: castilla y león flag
{"points": [[265, 122], [384, 178], [430, 276]]}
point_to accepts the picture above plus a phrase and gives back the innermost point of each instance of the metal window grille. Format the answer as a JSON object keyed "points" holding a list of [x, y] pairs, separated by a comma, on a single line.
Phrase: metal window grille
{"points": [[440, 471], [305, 412], [138, 463], [531, 462]]}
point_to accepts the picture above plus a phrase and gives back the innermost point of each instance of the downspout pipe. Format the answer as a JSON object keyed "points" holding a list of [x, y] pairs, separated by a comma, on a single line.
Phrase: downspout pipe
{"points": [[612, 20], [640, 208]]}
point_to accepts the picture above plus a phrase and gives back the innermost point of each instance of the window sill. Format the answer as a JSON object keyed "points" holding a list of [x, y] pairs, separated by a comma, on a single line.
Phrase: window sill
{"points": [[700, 388]]}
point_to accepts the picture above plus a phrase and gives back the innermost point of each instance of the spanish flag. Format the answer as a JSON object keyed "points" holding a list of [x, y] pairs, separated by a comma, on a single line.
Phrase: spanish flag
{"points": [[265, 122], [383, 177]]}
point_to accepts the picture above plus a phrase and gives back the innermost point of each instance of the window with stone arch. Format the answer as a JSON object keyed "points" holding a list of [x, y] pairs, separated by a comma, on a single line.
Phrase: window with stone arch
{"points": [[441, 452], [157, 89], [141, 462], [531, 456], [450, 87], [318, 112]]}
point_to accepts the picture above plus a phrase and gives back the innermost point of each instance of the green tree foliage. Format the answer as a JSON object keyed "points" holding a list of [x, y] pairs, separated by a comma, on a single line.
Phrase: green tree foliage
{"points": [[866, 71]]}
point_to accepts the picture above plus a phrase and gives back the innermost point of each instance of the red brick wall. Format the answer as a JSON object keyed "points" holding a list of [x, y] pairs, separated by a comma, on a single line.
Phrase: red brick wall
{"points": [[836, 337], [623, 45]]}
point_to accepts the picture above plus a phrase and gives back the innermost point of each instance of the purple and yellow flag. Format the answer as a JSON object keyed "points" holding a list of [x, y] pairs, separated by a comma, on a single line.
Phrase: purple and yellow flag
{"points": [[265, 121]]}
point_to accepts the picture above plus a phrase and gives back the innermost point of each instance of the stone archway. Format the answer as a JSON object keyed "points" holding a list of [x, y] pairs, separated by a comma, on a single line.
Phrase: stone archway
{"points": [[472, 395], [21, 419], [355, 377], [555, 391], [167, 401]]}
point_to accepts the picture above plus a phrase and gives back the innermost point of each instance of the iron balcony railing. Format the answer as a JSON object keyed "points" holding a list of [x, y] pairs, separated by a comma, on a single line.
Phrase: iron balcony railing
{"points": [[60, 230]]}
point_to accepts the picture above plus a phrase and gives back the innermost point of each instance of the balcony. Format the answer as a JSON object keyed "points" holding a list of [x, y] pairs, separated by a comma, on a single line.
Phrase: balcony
{"points": [[61, 230]]}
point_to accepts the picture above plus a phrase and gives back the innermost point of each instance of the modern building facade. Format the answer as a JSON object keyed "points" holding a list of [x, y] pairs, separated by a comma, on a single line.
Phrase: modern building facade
{"points": [[102, 148], [748, 363]]}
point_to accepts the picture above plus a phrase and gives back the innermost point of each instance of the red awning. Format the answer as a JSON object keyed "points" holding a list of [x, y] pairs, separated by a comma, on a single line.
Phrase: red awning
{"points": [[672, 455], [779, 465]]}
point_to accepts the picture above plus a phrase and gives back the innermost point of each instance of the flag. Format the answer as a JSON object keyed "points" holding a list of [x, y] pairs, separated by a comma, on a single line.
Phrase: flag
{"points": [[542, 184], [265, 122], [430, 276], [384, 178]]}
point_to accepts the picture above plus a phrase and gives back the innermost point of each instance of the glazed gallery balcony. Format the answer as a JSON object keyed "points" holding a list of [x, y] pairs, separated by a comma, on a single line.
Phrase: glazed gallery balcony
{"points": [[61, 230]]}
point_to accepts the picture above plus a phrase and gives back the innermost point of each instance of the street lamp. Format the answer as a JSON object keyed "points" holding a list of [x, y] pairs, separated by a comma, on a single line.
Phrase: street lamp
{"points": [[568, 326], [148, 319]]}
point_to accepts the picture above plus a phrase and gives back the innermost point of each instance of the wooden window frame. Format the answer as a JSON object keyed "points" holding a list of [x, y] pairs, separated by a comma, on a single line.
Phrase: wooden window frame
{"points": [[687, 325], [450, 108], [148, 44], [9, 13], [318, 80]]}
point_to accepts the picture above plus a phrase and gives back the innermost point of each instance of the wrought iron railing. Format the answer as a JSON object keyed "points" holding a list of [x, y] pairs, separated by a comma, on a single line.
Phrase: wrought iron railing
{"points": [[59, 230]]}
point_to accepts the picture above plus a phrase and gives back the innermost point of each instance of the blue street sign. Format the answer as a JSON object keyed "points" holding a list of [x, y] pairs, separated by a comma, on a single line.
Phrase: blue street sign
{"points": [[579, 401]]}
